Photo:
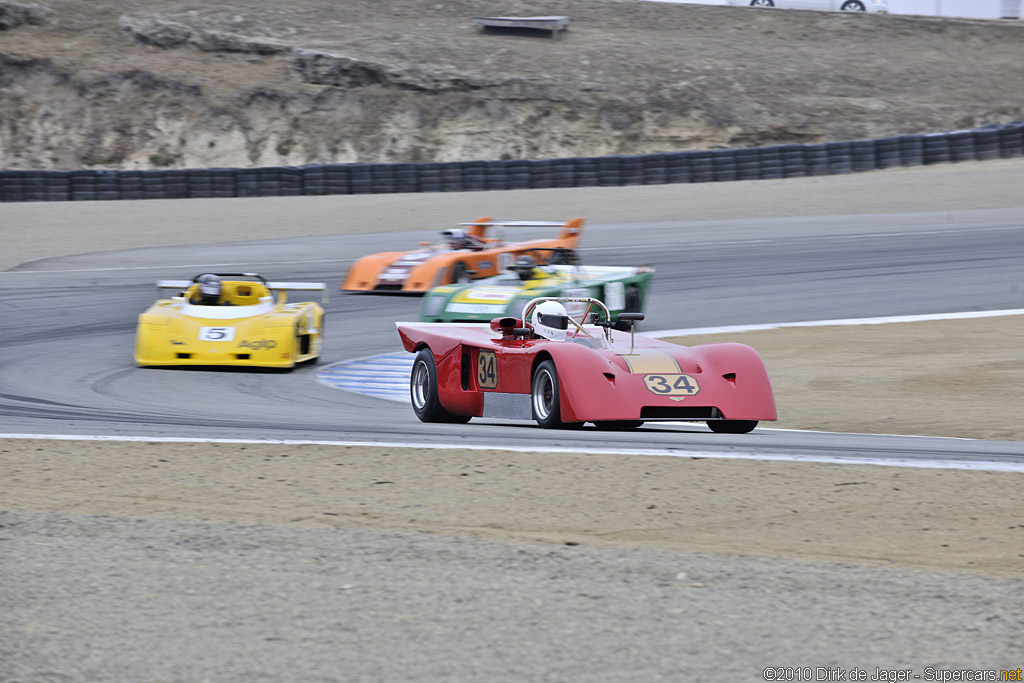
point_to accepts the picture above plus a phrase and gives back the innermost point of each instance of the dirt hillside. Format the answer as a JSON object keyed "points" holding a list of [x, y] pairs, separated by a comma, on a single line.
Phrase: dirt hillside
{"points": [[136, 84]]}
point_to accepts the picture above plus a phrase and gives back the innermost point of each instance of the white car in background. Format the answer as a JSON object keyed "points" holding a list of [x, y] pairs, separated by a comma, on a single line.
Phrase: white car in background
{"points": [[842, 5]]}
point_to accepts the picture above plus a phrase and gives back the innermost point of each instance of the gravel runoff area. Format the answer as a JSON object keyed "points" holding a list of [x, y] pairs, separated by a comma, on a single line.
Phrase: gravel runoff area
{"points": [[188, 562]]}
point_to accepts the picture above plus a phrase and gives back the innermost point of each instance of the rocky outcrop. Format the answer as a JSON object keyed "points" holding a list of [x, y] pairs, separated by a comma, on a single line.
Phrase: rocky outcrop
{"points": [[15, 14], [134, 119], [166, 33], [324, 68]]}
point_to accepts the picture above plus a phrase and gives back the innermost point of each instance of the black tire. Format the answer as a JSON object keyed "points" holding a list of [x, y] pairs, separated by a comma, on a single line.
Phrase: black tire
{"points": [[762, 3], [303, 345], [618, 425], [296, 346], [544, 398], [315, 360], [732, 426], [853, 6], [460, 274], [423, 391], [633, 303]]}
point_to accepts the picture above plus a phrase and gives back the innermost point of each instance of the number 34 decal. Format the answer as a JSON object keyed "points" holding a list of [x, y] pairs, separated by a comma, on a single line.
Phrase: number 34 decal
{"points": [[486, 370], [672, 385]]}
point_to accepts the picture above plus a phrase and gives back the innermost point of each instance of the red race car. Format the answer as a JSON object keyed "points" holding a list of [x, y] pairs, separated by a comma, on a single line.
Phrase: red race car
{"points": [[571, 364]]}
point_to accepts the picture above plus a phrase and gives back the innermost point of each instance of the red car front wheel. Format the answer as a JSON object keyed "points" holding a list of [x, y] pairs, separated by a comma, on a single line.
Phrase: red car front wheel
{"points": [[423, 391], [546, 408]]}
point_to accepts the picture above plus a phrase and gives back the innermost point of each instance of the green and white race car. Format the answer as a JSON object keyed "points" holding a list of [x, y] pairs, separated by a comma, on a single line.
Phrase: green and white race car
{"points": [[622, 289]]}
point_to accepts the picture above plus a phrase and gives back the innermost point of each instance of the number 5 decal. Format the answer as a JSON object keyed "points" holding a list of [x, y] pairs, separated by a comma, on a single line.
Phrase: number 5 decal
{"points": [[486, 370], [216, 333], [672, 385]]}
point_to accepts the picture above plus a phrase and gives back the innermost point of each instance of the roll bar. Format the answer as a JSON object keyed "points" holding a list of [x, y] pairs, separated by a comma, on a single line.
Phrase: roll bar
{"points": [[606, 339], [278, 286], [606, 324]]}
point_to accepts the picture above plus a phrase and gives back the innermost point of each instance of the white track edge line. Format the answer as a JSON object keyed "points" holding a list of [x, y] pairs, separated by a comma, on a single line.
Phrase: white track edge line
{"points": [[925, 317], [680, 453]]}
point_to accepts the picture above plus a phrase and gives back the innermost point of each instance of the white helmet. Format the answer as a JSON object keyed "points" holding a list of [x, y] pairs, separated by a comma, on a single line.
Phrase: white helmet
{"points": [[550, 320], [209, 288], [456, 237]]}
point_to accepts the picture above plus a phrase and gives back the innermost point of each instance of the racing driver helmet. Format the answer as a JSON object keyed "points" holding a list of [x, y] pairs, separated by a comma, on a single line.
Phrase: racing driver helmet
{"points": [[550, 320], [456, 238], [523, 266], [209, 289]]}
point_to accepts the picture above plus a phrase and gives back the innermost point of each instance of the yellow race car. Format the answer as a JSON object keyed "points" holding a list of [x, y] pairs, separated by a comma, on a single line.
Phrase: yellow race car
{"points": [[231, 319]]}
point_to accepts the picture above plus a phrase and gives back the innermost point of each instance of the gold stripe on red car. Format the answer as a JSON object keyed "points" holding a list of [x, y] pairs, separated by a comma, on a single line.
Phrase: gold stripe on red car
{"points": [[642, 362]]}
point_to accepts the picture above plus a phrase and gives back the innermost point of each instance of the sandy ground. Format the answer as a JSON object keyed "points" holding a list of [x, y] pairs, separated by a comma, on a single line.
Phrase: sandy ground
{"points": [[952, 378], [937, 519]]}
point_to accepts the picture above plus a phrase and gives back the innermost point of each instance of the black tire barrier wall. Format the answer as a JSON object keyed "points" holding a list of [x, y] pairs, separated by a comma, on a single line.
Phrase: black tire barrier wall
{"points": [[998, 141]]}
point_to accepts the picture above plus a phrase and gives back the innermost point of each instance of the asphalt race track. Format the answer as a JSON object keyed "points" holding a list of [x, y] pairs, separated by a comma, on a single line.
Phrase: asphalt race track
{"points": [[69, 327]]}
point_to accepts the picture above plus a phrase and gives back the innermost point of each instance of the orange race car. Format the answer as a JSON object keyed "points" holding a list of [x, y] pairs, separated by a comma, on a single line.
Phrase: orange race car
{"points": [[469, 251]]}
